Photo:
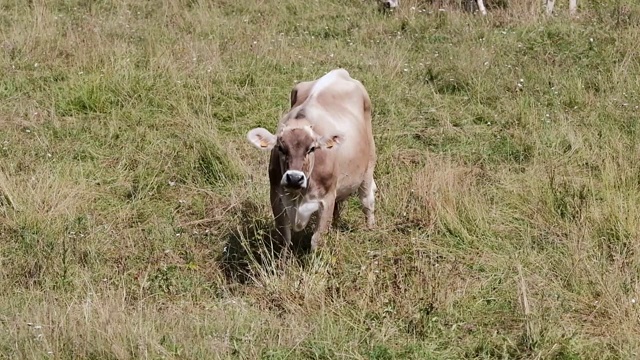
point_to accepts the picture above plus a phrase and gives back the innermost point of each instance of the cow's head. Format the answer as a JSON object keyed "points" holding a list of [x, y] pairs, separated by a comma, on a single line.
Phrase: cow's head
{"points": [[296, 148]]}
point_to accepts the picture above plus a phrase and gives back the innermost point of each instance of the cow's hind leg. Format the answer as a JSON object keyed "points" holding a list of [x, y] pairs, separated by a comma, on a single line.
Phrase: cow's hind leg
{"points": [[367, 193]]}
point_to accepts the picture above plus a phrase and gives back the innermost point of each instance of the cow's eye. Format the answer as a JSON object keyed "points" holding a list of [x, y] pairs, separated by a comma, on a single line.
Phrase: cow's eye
{"points": [[282, 150], [311, 149]]}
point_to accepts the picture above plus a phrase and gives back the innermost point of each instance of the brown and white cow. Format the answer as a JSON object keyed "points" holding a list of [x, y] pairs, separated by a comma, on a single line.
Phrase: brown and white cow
{"points": [[322, 152]]}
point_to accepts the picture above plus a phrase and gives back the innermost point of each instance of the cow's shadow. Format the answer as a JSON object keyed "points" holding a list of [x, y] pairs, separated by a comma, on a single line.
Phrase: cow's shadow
{"points": [[256, 245]]}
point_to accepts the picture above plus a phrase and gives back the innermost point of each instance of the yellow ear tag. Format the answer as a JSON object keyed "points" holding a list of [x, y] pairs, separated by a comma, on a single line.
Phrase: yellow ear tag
{"points": [[330, 143], [263, 143]]}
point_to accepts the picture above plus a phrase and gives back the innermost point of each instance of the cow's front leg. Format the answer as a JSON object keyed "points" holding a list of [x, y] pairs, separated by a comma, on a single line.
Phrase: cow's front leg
{"points": [[481, 7], [324, 221], [336, 213], [280, 216]]}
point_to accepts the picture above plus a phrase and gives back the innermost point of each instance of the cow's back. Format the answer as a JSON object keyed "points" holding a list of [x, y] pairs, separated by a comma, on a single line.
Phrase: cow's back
{"points": [[338, 104]]}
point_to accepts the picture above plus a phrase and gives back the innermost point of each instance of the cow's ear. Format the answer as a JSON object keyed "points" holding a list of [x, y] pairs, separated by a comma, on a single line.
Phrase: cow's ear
{"points": [[330, 142], [261, 138]]}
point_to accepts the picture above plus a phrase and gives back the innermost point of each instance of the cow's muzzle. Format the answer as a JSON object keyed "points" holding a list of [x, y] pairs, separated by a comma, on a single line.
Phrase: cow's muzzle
{"points": [[294, 179]]}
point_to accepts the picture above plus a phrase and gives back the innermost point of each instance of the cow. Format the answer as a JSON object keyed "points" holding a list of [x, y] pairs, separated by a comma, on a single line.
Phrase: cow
{"points": [[388, 4], [573, 7], [393, 4], [322, 152]]}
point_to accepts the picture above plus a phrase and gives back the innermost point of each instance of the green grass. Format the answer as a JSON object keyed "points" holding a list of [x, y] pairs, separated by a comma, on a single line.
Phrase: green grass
{"points": [[134, 215]]}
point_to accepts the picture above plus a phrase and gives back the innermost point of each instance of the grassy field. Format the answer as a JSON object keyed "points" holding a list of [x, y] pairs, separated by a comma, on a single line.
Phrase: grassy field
{"points": [[133, 210]]}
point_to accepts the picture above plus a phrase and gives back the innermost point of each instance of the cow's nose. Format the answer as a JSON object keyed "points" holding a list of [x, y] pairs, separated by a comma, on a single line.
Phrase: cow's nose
{"points": [[294, 179]]}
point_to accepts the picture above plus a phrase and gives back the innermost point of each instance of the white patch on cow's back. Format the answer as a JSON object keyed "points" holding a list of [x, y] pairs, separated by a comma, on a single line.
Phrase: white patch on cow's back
{"points": [[325, 81]]}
